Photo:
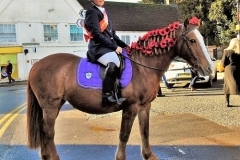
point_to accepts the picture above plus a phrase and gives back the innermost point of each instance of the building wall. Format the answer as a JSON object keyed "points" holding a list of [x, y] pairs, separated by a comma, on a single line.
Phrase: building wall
{"points": [[29, 16]]}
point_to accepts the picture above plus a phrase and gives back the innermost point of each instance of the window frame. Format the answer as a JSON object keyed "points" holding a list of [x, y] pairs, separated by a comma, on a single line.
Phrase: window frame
{"points": [[15, 34], [50, 24], [70, 38], [123, 38]]}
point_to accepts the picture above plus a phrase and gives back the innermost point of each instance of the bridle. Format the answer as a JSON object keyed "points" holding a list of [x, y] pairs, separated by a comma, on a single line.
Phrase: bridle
{"points": [[185, 40], [196, 66]]}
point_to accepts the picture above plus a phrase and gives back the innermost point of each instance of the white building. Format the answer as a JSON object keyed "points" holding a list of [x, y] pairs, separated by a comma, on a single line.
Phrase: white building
{"points": [[33, 29]]}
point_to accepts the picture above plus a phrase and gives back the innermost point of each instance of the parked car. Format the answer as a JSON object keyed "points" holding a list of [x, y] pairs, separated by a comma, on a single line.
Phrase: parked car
{"points": [[218, 65], [179, 72]]}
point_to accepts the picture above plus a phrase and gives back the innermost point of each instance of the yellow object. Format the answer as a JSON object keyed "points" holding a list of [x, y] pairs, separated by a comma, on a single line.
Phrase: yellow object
{"points": [[237, 27], [6, 50]]}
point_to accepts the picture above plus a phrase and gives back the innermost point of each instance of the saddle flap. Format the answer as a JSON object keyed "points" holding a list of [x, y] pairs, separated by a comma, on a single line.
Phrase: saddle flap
{"points": [[89, 75]]}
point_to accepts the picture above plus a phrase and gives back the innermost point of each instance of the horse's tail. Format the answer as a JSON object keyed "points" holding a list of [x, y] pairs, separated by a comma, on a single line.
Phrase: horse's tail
{"points": [[34, 119]]}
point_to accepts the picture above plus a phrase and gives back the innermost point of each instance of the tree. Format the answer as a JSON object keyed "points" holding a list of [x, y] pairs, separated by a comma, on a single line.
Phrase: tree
{"points": [[223, 16], [218, 18]]}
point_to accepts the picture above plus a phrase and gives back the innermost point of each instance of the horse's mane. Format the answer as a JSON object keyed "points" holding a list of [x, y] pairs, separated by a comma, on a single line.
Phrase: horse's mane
{"points": [[156, 41]]}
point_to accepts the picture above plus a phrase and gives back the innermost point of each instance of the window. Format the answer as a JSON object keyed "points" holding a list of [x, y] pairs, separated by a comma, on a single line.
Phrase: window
{"points": [[126, 39], [50, 33], [76, 33], [7, 33]]}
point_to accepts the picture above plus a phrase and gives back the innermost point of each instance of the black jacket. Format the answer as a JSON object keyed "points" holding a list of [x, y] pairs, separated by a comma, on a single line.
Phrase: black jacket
{"points": [[102, 42], [9, 68]]}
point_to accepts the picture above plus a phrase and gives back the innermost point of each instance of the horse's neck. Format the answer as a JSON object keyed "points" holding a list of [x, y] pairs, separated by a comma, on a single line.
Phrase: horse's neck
{"points": [[152, 65]]}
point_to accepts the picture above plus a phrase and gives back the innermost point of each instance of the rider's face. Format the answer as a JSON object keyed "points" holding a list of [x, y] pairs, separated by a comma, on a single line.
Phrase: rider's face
{"points": [[99, 3]]}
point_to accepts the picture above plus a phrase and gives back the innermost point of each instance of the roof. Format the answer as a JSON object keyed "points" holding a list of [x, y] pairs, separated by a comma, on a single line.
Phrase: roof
{"points": [[137, 16]]}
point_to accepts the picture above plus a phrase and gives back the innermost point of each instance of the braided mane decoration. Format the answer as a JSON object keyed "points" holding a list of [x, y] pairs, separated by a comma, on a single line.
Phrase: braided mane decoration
{"points": [[156, 41]]}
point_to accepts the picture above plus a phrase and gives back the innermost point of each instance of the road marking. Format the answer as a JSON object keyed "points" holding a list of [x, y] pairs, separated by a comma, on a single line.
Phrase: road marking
{"points": [[10, 113], [14, 113]]}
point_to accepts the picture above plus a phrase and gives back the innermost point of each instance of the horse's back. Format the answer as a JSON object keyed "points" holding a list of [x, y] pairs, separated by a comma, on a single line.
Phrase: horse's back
{"points": [[54, 70]]}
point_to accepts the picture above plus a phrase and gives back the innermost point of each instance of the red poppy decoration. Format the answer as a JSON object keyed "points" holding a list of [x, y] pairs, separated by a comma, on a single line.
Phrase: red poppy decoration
{"points": [[128, 50], [171, 27], [139, 47], [176, 25], [145, 36], [166, 30], [151, 45], [147, 51], [155, 32], [163, 43], [133, 45], [171, 42], [162, 32], [194, 21]]}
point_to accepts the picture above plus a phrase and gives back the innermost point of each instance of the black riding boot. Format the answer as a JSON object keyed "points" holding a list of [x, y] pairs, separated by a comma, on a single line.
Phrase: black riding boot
{"points": [[110, 85], [227, 99]]}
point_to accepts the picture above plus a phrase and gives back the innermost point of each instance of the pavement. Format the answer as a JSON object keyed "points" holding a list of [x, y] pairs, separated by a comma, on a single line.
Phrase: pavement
{"points": [[181, 136], [5, 83]]}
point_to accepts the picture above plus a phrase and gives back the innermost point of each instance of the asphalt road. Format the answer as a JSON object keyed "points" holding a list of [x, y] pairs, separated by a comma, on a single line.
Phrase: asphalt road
{"points": [[184, 125]]}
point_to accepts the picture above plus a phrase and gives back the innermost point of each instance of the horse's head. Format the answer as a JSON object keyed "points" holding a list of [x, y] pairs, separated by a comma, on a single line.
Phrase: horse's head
{"points": [[192, 48]]}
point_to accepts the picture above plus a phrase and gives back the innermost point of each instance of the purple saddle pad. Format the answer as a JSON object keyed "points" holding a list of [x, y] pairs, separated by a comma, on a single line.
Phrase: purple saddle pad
{"points": [[88, 74]]}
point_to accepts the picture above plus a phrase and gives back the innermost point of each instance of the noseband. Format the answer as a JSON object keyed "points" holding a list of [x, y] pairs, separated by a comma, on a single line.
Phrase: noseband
{"points": [[185, 40]]}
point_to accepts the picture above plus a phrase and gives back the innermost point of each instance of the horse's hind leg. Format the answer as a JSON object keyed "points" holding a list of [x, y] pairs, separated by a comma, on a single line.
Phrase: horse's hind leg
{"points": [[143, 117], [128, 117], [50, 113]]}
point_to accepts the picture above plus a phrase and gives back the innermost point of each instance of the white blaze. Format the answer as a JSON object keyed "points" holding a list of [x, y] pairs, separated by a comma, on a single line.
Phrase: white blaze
{"points": [[203, 47]]}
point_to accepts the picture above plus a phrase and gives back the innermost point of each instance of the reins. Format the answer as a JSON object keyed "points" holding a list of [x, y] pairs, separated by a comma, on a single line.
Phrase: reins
{"points": [[159, 69]]}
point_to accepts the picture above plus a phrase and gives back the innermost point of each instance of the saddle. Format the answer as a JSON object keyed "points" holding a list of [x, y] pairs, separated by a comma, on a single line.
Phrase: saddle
{"points": [[90, 75]]}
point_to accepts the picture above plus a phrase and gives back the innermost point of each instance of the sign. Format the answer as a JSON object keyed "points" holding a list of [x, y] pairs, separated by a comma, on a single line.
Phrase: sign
{"points": [[80, 23], [30, 44], [82, 13], [33, 61]]}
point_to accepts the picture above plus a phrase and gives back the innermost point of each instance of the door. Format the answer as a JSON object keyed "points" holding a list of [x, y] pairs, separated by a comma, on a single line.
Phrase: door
{"points": [[3, 62]]}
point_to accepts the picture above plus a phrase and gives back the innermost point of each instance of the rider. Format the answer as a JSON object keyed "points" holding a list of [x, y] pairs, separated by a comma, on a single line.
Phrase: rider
{"points": [[103, 47]]}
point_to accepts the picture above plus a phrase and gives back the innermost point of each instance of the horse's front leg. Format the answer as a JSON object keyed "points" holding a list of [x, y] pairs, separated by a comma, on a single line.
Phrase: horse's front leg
{"points": [[128, 116], [143, 117]]}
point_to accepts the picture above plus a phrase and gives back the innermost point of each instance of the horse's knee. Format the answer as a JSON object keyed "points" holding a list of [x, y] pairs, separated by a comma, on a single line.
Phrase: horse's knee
{"points": [[124, 137], [49, 132]]}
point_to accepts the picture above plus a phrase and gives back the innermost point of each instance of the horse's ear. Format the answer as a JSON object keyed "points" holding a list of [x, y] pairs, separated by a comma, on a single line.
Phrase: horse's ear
{"points": [[199, 22], [186, 22]]}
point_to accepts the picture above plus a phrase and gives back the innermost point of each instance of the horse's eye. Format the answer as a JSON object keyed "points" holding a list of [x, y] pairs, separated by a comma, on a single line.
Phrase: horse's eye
{"points": [[192, 41]]}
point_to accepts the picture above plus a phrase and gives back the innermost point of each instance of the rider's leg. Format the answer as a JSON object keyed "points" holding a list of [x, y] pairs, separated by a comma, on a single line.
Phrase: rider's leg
{"points": [[112, 62]]}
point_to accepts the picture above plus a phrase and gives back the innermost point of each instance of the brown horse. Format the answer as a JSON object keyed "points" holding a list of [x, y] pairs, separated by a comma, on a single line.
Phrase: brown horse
{"points": [[52, 82]]}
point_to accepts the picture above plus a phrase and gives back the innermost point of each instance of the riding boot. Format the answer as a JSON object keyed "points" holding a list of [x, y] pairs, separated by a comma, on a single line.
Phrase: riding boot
{"points": [[110, 85], [227, 96]]}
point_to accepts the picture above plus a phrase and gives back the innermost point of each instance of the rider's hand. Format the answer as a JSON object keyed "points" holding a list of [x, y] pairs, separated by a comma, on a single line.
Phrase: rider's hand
{"points": [[118, 50]]}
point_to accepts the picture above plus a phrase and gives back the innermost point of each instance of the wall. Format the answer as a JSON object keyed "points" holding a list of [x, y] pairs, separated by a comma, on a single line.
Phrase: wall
{"points": [[29, 17]]}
